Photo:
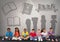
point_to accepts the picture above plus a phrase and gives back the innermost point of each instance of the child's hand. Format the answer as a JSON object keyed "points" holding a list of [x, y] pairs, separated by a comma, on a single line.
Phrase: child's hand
{"points": [[52, 34]]}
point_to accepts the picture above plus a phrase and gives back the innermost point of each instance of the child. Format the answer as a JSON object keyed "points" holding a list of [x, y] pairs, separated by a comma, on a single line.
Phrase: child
{"points": [[51, 34], [16, 34], [39, 35], [25, 35], [9, 34], [33, 35], [44, 34]]}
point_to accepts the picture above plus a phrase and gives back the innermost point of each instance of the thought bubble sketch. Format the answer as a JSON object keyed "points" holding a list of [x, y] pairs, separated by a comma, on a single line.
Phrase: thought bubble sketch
{"points": [[16, 21], [35, 20], [53, 22], [28, 24], [47, 7], [13, 21], [10, 21], [8, 7], [43, 21], [27, 8]]}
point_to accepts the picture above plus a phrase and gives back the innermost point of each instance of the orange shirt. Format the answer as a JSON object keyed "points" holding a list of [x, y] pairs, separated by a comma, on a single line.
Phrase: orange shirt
{"points": [[17, 34]]}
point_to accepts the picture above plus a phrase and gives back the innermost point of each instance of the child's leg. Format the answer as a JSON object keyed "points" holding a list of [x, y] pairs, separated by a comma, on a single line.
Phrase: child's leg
{"points": [[14, 38], [44, 38], [6, 37], [27, 37], [52, 37], [35, 38], [31, 38], [39, 38], [55, 38], [19, 38]]}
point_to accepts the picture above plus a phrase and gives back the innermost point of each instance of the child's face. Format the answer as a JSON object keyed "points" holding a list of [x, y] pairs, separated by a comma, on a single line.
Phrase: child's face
{"points": [[8, 30], [44, 30], [39, 30], [51, 30], [16, 30], [24, 30], [33, 31]]}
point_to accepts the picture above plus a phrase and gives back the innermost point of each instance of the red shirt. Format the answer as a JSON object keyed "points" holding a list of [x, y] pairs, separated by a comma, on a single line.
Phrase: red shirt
{"points": [[33, 34], [17, 34]]}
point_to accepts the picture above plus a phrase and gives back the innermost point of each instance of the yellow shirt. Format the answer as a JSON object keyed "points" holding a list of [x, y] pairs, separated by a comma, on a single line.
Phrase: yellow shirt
{"points": [[25, 34]]}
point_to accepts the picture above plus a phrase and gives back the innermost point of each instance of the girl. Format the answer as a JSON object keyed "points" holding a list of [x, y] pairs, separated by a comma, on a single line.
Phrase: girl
{"points": [[25, 34], [51, 34], [16, 34], [39, 35], [44, 34]]}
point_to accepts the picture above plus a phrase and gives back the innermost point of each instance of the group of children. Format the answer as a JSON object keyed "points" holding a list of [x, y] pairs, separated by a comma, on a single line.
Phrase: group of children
{"points": [[40, 35]]}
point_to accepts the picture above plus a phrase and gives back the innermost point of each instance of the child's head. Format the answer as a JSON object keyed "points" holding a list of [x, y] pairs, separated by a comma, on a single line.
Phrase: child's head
{"points": [[39, 30], [16, 29], [24, 29], [33, 30], [51, 29], [43, 30], [8, 29]]}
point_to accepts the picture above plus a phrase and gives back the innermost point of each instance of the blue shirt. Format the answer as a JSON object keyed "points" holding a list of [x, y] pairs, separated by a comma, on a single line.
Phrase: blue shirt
{"points": [[9, 34]]}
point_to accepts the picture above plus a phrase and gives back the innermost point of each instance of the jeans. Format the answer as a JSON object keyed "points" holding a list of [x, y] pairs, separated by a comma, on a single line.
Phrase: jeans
{"points": [[52, 37], [33, 38]]}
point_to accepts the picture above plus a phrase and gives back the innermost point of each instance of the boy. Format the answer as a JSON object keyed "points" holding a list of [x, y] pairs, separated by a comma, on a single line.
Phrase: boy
{"points": [[33, 35], [8, 34], [25, 35]]}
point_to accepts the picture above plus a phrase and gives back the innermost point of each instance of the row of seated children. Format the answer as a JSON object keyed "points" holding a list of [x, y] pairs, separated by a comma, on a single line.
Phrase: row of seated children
{"points": [[40, 35]]}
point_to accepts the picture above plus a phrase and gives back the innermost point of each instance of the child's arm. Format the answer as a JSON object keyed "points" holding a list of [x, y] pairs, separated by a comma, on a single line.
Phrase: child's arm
{"points": [[53, 34], [11, 34], [6, 34]]}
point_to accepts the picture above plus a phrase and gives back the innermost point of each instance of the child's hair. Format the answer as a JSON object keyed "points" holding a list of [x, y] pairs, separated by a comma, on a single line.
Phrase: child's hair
{"points": [[24, 28], [42, 29], [8, 29], [18, 29], [33, 29], [51, 28]]}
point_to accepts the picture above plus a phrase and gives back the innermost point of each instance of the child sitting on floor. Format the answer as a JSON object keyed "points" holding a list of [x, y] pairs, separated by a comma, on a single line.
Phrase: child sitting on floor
{"points": [[39, 35], [16, 34], [33, 35], [44, 34], [8, 34], [51, 34]]}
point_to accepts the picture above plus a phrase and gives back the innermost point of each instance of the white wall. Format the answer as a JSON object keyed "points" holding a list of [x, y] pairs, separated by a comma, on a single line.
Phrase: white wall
{"points": [[23, 17]]}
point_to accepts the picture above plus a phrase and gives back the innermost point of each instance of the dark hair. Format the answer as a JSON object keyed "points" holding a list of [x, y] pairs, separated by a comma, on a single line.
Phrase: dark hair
{"points": [[51, 28], [24, 28], [18, 30], [33, 29], [42, 29], [8, 29]]}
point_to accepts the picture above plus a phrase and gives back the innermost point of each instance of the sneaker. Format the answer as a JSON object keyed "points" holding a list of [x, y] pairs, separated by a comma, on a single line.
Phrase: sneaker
{"points": [[41, 39], [52, 40], [35, 39], [56, 40]]}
